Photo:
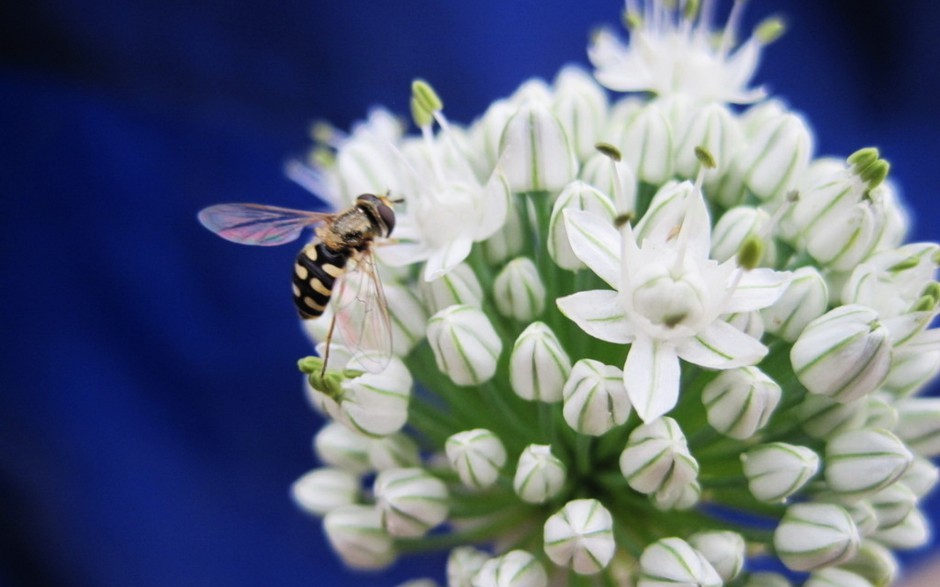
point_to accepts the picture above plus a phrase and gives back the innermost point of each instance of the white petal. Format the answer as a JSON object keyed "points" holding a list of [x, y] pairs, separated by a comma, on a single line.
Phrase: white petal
{"points": [[494, 207], [651, 376], [403, 253], [758, 288], [721, 346], [596, 242], [599, 313], [443, 260]]}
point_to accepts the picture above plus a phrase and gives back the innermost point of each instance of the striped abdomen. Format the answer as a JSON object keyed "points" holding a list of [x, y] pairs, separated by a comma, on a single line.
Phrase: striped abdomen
{"points": [[315, 272]]}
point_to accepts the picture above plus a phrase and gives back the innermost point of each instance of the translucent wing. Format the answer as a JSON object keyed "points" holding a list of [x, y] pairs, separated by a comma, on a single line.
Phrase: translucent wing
{"points": [[362, 314], [256, 224]]}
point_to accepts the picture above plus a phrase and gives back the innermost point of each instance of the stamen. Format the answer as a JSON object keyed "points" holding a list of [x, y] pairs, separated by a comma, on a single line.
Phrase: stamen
{"points": [[730, 35]]}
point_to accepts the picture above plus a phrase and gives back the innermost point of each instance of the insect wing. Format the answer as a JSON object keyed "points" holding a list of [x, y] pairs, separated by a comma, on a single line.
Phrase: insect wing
{"points": [[256, 224], [362, 315]]}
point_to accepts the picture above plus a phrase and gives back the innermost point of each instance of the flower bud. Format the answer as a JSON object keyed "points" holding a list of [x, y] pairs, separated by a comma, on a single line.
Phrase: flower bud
{"points": [[804, 300], [340, 447], [419, 583], [411, 501], [822, 417], [671, 561], [477, 456], [395, 451], [875, 563], [739, 402], [777, 470], [912, 532], [538, 365], [844, 354], [539, 474], [666, 211], [737, 225], [355, 532], [458, 286], [681, 498], [815, 535], [325, 489], [646, 144], [535, 153], [518, 290], [465, 345], [921, 477], [581, 106], [861, 462], [724, 550], [595, 398], [716, 129], [863, 514], [508, 241], [911, 370], [577, 195], [919, 425], [892, 504], [462, 564], [835, 577], [778, 151], [409, 318], [613, 178], [580, 536], [880, 411], [374, 404], [516, 568], [657, 458]]}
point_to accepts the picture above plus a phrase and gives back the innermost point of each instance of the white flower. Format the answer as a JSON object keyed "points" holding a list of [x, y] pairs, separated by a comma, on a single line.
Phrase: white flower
{"points": [[477, 456], [833, 577], [671, 561], [844, 354], [657, 458], [519, 291], [459, 286], [340, 447], [875, 563], [580, 536], [919, 425], [912, 532], [779, 149], [538, 365], [465, 344], [581, 106], [355, 532], [815, 535], [516, 568], [577, 195], [667, 301], [804, 300], [463, 563], [325, 489], [777, 470], [411, 501], [739, 402], [821, 417], [535, 153], [672, 52], [540, 475], [595, 399], [724, 550], [861, 462]]}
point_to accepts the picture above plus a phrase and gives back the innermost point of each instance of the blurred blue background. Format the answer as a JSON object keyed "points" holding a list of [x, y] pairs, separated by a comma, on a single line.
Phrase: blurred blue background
{"points": [[151, 415]]}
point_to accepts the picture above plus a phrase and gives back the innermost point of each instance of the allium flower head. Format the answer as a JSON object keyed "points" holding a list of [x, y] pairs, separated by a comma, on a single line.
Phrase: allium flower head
{"points": [[643, 338]]}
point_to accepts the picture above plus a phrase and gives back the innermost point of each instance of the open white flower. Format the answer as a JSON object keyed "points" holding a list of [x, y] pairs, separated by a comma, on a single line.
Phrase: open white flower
{"points": [[668, 299], [673, 51]]}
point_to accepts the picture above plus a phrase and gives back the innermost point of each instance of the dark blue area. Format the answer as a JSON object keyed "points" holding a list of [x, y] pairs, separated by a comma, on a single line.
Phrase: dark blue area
{"points": [[151, 417]]}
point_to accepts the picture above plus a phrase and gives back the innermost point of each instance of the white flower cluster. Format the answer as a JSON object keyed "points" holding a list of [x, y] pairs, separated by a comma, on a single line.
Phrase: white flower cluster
{"points": [[613, 317]]}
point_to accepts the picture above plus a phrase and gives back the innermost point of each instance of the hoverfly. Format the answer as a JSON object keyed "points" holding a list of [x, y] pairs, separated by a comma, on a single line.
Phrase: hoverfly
{"points": [[341, 249]]}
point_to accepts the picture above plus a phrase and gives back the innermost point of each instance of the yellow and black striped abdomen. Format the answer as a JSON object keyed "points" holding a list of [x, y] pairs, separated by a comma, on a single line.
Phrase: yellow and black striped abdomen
{"points": [[315, 272]]}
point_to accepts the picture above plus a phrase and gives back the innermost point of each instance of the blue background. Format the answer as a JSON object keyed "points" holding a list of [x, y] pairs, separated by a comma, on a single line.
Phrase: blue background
{"points": [[151, 417]]}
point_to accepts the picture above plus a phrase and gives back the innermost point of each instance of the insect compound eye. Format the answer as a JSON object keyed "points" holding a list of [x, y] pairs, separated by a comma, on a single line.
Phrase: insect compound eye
{"points": [[388, 217]]}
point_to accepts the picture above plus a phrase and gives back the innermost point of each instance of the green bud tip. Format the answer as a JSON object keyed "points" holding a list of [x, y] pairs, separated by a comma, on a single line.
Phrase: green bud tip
{"points": [[924, 304], [875, 173], [751, 252], [770, 29], [933, 290], [609, 150], [322, 132], [322, 157], [863, 157], [424, 94], [309, 365], [329, 383], [632, 20], [691, 9], [705, 157]]}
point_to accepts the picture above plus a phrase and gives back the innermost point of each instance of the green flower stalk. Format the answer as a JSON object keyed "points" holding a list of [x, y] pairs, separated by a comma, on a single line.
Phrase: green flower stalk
{"points": [[614, 316]]}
